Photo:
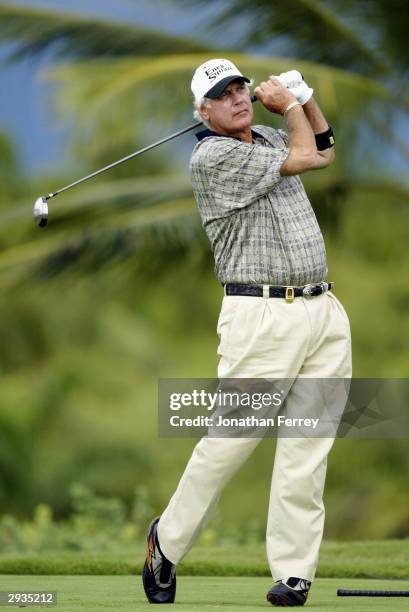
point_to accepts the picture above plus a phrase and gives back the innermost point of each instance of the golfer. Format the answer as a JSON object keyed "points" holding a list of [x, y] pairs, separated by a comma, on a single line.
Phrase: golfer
{"points": [[279, 318]]}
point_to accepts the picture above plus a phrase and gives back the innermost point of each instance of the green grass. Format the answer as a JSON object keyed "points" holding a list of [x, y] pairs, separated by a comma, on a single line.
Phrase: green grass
{"points": [[124, 593], [372, 559]]}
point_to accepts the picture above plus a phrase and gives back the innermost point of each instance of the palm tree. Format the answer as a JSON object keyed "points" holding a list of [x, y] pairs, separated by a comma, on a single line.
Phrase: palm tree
{"points": [[365, 38], [142, 74], [123, 86]]}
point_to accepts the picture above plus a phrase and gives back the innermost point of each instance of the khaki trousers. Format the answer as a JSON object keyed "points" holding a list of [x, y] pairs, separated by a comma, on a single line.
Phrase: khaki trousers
{"points": [[268, 338]]}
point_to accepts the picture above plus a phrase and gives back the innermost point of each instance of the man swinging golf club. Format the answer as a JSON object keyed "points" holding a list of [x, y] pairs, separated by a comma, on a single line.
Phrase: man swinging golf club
{"points": [[279, 318]]}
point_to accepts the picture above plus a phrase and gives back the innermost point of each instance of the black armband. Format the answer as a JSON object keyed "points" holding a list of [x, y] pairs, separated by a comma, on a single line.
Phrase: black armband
{"points": [[325, 140]]}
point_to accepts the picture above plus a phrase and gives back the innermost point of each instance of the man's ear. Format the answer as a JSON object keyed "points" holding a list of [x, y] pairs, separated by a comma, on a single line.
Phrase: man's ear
{"points": [[204, 113]]}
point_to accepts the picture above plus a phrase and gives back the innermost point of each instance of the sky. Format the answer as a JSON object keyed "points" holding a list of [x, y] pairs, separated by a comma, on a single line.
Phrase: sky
{"points": [[26, 111]]}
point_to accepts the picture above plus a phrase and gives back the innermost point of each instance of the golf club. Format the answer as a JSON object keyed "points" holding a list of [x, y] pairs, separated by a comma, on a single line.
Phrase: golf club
{"points": [[40, 209], [370, 593]]}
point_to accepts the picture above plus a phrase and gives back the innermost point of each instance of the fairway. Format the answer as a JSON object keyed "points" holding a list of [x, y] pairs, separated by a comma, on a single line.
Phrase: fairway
{"points": [[124, 593]]}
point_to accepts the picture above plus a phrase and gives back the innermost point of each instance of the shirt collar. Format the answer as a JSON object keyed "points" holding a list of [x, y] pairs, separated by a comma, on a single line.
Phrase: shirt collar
{"points": [[208, 133]]}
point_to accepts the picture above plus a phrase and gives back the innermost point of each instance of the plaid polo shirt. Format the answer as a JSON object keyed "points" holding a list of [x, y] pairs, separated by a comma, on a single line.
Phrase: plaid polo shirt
{"points": [[260, 224]]}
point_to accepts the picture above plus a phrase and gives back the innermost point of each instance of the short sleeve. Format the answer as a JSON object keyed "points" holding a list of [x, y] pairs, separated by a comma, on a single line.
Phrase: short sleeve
{"points": [[283, 134], [238, 173]]}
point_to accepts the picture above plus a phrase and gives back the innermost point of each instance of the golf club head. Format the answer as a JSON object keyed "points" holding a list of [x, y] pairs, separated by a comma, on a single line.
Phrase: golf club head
{"points": [[40, 212]]}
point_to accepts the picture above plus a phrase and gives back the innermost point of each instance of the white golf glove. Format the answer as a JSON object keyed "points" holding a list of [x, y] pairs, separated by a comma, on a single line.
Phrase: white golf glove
{"points": [[294, 81]]}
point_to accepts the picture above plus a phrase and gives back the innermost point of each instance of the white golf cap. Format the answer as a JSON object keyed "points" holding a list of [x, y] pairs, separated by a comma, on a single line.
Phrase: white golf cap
{"points": [[211, 78]]}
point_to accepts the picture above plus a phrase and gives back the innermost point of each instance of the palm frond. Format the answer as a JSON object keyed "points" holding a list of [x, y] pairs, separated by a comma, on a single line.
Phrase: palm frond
{"points": [[85, 206], [73, 35], [115, 101], [318, 183], [312, 28], [381, 25], [336, 28], [174, 221], [10, 170], [109, 80], [390, 19], [89, 224], [330, 32]]}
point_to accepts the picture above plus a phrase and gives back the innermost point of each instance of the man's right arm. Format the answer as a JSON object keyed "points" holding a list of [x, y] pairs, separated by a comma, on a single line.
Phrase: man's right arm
{"points": [[301, 144], [302, 148]]}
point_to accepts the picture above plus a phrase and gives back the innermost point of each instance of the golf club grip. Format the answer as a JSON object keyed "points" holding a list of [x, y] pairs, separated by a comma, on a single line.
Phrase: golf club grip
{"points": [[362, 593]]}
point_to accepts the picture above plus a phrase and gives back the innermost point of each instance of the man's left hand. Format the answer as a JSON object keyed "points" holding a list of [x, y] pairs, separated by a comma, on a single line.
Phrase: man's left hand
{"points": [[294, 81]]}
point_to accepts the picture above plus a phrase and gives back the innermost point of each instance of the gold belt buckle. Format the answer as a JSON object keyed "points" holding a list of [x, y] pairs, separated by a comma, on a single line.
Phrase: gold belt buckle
{"points": [[289, 294]]}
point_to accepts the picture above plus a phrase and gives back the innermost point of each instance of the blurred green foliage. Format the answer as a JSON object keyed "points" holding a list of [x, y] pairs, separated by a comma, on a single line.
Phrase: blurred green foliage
{"points": [[81, 355], [96, 523], [120, 291]]}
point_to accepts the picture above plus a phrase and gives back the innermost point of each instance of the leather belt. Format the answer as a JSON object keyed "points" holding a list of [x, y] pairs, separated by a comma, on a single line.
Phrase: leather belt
{"points": [[273, 291]]}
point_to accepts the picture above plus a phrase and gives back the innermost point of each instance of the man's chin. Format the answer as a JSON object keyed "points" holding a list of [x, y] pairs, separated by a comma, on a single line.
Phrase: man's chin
{"points": [[243, 120], [237, 125]]}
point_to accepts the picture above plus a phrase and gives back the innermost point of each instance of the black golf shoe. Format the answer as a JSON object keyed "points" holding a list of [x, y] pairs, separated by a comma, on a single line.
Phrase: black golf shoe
{"points": [[292, 592], [158, 574]]}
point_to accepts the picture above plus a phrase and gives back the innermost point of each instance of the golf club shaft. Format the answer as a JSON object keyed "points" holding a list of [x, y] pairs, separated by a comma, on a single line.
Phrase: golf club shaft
{"points": [[124, 159], [364, 593]]}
